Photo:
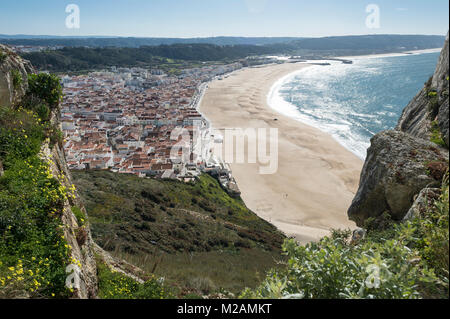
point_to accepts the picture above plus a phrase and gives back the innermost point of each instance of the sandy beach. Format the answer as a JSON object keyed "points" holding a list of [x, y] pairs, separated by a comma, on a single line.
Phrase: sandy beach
{"points": [[316, 178]]}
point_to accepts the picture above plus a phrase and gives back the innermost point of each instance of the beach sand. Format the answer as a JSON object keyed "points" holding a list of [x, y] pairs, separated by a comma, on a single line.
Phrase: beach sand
{"points": [[317, 177]]}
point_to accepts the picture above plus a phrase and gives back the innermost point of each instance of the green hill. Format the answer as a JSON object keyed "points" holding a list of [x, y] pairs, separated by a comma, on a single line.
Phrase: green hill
{"points": [[195, 235]]}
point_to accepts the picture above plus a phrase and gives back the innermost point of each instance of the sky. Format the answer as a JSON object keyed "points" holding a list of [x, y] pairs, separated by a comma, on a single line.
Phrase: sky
{"points": [[207, 18]]}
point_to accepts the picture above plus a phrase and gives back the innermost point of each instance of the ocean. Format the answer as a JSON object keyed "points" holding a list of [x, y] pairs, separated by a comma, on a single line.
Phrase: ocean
{"points": [[353, 102]]}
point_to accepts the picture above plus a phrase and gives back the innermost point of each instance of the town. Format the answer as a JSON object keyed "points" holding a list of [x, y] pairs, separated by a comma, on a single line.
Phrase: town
{"points": [[130, 120]]}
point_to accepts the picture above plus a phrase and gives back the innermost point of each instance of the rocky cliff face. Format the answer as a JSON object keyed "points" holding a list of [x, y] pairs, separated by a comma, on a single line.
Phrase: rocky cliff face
{"points": [[403, 162], [13, 86], [13, 75], [430, 104]]}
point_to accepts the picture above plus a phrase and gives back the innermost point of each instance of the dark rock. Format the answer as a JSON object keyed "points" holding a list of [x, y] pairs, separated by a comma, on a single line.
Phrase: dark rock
{"points": [[423, 109], [11, 94], [440, 82], [394, 172], [414, 119], [443, 121], [422, 203]]}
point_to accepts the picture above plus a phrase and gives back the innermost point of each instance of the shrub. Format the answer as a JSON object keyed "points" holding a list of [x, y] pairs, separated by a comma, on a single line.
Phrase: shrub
{"points": [[81, 218], [17, 78], [46, 87], [3, 56]]}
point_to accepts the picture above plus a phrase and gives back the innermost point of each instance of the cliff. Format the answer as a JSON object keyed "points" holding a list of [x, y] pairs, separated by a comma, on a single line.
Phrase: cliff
{"points": [[14, 73], [403, 162], [12, 70]]}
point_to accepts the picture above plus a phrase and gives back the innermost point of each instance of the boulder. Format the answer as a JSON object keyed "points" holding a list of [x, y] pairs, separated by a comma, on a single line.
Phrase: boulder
{"points": [[397, 168], [422, 203]]}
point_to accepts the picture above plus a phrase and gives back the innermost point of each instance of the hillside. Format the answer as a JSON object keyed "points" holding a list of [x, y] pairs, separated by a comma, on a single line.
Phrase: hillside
{"points": [[92, 55], [160, 224]]}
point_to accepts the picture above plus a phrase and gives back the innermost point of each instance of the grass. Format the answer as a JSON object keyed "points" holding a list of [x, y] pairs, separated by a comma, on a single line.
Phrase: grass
{"points": [[115, 285], [159, 225], [227, 270], [81, 218]]}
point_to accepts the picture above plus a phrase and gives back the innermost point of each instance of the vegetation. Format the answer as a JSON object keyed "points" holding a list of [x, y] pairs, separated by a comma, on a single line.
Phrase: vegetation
{"points": [[167, 58], [45, 87], [115, 285], [436, 135], [370, 43], [3, 56], [401, 261], [33, 250], [91, 53], [17, 78], [159, 224], [81, 218]]}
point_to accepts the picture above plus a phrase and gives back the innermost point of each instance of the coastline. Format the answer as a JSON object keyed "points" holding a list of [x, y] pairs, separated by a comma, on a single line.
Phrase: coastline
{"points": [[317, 177], [387, 55]]}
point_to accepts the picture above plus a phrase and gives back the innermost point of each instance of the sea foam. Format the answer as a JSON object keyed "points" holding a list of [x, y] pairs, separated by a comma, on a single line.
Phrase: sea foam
{"points": [[353, 102]]}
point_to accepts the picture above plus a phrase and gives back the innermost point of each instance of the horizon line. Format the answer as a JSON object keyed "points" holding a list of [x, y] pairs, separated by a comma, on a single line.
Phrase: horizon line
{"points": [[218, 36]]}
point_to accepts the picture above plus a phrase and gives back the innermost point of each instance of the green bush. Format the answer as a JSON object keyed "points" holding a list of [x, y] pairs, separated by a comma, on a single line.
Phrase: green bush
{"points": [[45, 87], [17, 78], [405, 261], [81, 218], [3, 56]]}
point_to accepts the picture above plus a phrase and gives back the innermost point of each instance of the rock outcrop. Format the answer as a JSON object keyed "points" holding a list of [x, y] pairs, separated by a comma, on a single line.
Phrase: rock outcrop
{"points": [[13, 76], [422, 202], [403, 162], [430, 104], [396, 169], [78, 236]]}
